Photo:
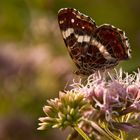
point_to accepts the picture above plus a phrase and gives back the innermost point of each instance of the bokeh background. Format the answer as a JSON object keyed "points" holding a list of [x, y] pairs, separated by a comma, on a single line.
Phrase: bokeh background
{"points": [[34, 63]]}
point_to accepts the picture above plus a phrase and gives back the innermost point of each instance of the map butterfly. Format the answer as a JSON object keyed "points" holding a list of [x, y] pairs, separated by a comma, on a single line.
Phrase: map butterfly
{"points": [[92, 47]]}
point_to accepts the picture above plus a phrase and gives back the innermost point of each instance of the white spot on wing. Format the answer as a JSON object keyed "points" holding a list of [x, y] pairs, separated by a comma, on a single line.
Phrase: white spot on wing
{"points": [[86, 38], [67, 32], [80, 38], [72, 20], [76, 35], [102, 49], [61, 21]]}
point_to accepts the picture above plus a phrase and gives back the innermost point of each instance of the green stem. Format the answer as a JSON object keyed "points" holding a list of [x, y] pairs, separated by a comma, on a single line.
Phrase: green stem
{"points": [[111, 134], [99, 129], [122, 134], [82, 133]]}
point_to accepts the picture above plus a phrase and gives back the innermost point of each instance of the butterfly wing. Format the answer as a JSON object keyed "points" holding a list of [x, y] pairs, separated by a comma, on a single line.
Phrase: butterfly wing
{"points": [[76, 30], [92, 48], [114, 41]]}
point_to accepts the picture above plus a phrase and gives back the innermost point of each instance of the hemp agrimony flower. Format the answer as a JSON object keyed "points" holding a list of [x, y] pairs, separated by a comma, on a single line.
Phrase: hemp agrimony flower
{"points": [[105, 107], [64, 111]]}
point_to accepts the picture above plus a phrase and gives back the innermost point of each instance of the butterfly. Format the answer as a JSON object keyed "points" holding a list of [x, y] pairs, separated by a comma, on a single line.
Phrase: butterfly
{"points": [[92, 47]]}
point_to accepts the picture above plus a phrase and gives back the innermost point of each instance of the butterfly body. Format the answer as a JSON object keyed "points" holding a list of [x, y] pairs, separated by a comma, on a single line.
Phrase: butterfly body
{"points": [[92, 47]]}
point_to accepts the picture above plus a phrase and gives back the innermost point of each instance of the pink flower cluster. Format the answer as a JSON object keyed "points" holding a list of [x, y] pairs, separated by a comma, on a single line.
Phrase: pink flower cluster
{"points": [[112, 95]]}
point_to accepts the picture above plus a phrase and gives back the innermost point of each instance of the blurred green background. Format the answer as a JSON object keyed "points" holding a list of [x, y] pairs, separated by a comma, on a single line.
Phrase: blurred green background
{"points": [[34, 63]]}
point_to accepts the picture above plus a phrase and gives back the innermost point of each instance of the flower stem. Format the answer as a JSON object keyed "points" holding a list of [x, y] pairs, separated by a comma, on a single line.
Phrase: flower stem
{"points": [[82, 133], [99, 129]]}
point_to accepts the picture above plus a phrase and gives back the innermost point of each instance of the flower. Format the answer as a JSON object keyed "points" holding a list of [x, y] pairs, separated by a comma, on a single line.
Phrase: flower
{"points": [[64, 111], [104, 106]]}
